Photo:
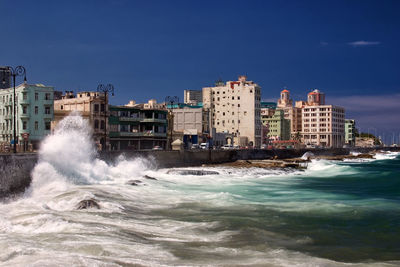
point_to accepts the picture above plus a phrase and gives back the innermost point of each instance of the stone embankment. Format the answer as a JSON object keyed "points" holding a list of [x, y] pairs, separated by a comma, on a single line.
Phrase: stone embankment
{"points": [[15, 169], [15, 172]]}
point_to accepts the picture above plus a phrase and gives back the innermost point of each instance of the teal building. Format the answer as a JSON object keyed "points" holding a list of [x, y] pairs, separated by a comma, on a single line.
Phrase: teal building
{"points": [[34, 113], [350, 132], [278, 127], [134, 128]]}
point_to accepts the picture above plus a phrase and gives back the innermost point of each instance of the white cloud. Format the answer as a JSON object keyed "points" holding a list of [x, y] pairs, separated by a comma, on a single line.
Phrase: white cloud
{"points": [[363, 43]]}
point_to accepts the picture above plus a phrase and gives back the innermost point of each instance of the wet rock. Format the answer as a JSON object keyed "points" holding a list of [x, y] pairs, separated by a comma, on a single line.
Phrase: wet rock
{"points": [[134, 182], [88, 204], [149, 177], [192, 172]]}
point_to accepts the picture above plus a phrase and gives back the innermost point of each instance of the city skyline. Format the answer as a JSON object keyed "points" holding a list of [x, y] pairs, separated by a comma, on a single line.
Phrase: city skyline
{"points": [[151, 50]]}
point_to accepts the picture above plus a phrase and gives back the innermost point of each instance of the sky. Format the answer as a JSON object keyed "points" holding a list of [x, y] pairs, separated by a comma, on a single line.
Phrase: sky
{"points": [[152, 49]]}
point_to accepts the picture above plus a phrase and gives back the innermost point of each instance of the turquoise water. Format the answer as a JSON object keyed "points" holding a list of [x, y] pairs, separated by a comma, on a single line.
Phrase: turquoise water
{"points": [[331, 214]]}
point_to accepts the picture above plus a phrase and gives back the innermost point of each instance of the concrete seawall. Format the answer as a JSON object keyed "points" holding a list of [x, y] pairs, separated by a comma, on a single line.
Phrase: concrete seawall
{"points": [[15, 169], [15, 172]]}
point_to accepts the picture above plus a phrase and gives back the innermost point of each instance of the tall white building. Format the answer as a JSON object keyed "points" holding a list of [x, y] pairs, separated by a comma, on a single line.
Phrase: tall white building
{"points": [[234, 108], [322, 125]]}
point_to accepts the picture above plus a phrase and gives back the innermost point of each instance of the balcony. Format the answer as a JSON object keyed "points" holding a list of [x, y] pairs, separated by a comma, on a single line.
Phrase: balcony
{"points": [[142, 134], [129, 119], [24, 101], [154, 120], [24, 116]]}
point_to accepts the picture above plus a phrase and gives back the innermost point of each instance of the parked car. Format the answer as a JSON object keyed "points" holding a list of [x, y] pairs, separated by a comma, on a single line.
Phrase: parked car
{"points": [[226, 147], [195, 146], [157, 148], [204, 146]]}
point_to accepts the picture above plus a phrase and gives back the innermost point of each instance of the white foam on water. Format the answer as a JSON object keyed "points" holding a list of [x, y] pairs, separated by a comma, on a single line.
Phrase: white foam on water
{"points": [[135, 224], [386, 155]]}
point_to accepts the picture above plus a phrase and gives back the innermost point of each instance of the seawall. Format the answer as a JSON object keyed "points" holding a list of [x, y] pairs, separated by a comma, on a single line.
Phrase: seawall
{"points": [[15, 169], [15, 172]]}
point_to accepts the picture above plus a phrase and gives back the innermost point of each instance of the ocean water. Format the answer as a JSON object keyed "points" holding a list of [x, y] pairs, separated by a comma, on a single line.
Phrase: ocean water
{"points": [[331, 214]]}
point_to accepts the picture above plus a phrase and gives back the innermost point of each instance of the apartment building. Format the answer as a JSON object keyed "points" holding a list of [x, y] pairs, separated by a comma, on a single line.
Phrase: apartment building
{"points": [[234, 108], [350, 132], [278, 126], [34, 112], [134, 127], [291, 113], [92, 106], [323, 125], [192, 97]]}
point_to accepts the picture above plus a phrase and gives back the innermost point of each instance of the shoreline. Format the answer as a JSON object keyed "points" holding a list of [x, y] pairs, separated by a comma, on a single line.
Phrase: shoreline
{"points": [[15, 169]]}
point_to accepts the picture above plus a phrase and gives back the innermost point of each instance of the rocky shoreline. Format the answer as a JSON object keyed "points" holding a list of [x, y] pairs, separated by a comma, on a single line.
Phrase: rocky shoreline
{"points": [[297, 163]]}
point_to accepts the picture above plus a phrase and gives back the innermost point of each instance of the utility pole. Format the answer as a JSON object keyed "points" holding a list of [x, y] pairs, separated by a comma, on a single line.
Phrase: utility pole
{"points": [[14, 72], [105, 89]]}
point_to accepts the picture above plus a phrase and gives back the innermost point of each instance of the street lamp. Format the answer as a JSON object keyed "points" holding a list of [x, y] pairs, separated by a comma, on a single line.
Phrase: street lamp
{"points": [[14, 72], [105, 89], [171, 100]]}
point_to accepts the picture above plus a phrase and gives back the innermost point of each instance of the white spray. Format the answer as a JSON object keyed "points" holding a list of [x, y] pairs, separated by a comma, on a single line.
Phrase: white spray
{"points": [[68, 157]]}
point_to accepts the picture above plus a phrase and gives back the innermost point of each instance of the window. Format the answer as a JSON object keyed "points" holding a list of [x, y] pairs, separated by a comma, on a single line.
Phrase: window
{"points": [[36, 125], [24, 124], [36, 109], [47, 110], [24, 96], [24, 110], [102, 125], [36, 96], [96, 107], [47, 125], [102, 107], [47, 96], [96, 124], [62, 107]]}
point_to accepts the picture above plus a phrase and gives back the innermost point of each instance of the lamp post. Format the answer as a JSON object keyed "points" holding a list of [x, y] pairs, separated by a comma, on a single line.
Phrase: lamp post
{"points": [[14, 72], [171, 100], [105, 89]]}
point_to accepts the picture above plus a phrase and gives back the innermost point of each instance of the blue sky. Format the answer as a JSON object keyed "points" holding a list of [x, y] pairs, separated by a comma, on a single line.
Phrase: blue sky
{"points": [[151, 49]]}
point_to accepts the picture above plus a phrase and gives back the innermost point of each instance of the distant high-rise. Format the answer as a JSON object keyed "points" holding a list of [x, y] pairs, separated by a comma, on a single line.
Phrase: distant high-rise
{"points": [[192, 97], [5, 78]]}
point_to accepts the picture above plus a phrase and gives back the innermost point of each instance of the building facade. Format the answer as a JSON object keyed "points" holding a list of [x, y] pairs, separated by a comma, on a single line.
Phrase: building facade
{"points": [[234, 108], [350, 132], [192, 97], [134, 128], [92, 106], [323, 126], [291, 113], [34, 113], [278, 126]]}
